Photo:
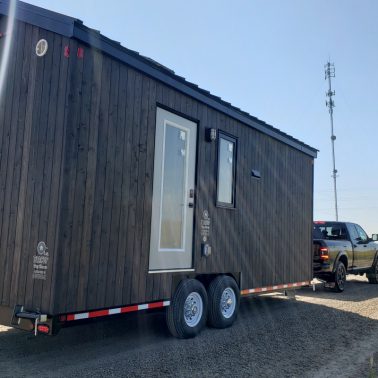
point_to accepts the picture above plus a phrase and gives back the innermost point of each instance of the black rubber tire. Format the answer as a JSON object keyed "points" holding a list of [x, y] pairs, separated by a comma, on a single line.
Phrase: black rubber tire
{"points": [[216, 317], [175, 315], [340, 277], [372, 275]]}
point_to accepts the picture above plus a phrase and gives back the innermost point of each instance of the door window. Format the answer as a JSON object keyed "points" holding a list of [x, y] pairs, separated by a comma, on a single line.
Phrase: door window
{"points": [[353, 232], [361, 233], [174, 184]]}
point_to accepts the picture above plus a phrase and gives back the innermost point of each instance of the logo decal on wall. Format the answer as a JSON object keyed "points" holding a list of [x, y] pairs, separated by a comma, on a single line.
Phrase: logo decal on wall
{"points": [[205, 225], [40, 261]]}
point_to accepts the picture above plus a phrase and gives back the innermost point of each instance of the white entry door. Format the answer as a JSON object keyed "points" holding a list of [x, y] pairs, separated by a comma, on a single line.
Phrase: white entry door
{"points": [[173, 192]]}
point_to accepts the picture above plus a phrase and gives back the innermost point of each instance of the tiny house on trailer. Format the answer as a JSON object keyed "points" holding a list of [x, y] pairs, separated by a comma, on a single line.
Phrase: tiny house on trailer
{"points": [[124, 187]]}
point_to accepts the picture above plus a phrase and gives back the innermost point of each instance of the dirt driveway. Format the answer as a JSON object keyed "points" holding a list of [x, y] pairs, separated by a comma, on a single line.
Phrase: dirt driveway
{"points": [[320, 334]]}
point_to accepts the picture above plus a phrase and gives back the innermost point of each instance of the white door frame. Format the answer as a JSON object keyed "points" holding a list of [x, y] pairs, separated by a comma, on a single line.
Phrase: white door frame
{"points": [[165, 258]]}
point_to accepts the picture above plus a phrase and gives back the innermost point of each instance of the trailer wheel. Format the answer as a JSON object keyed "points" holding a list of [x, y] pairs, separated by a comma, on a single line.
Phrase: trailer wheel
{"points": [[340, 277], [186, 315], [224, 298], [372, 275]]}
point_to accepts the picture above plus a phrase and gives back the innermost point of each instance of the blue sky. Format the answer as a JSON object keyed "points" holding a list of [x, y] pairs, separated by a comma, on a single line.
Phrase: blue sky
{"points": [[267, 57]]}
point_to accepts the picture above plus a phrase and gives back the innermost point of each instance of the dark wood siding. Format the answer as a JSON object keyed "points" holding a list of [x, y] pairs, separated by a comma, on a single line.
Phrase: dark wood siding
{"points": [[31, 153], [77, 157]]}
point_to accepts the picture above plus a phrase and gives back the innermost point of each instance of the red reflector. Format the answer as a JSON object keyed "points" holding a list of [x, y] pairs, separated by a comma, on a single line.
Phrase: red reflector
{"points": [[66, 51], [319, 222], [43, 328], [129, 309], [96, 314], [80, 53], [156, 305]]}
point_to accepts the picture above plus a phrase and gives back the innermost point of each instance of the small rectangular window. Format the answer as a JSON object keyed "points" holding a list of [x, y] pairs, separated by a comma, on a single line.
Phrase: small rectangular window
{"points": [[226, 171]]}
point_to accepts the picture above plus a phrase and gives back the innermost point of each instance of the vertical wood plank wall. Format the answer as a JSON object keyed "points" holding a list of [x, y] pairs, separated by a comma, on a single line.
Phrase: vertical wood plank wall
{"points": [[32, 109], [76, 170]]}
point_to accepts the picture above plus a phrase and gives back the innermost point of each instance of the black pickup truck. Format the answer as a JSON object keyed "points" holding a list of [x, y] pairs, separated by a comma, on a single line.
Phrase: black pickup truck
{"points": [[342, 248]]}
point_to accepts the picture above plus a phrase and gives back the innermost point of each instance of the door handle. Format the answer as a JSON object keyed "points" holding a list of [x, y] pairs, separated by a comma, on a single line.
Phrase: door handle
{"points": [[191, 205]]}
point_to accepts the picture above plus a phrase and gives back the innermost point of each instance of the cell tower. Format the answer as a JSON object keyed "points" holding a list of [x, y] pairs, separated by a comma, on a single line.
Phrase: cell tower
{"points": [[329, 73]]}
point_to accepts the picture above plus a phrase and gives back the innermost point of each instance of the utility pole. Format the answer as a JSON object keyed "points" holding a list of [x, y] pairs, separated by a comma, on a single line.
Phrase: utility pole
{"points": [[330, 72]]}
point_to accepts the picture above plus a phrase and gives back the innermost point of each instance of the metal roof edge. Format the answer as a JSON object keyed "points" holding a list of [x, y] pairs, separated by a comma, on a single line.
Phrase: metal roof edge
{"points": [[71, 27], [142, 64], [46, 19]]}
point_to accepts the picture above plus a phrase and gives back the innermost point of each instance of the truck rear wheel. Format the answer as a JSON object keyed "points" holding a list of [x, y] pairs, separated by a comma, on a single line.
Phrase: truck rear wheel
{"points": [[372, 275], [186, 315], [340, 277], [224, 297]]}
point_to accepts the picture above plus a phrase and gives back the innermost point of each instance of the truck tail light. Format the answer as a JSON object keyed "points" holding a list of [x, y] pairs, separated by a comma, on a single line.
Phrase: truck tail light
{"points": [[324, 253], [43, 328]]}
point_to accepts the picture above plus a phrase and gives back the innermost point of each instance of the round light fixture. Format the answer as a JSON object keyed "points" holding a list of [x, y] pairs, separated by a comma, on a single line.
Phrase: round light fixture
{"points": [[41, 47]]}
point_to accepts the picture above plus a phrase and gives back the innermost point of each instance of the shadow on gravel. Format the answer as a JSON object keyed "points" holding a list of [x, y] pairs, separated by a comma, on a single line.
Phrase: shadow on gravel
{"points": [[273, 336], [356, 290], [132, 326]]}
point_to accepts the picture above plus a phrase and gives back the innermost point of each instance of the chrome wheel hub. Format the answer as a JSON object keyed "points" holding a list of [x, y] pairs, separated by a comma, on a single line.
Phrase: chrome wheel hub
{"points": [[228, 303], [193, 309]]}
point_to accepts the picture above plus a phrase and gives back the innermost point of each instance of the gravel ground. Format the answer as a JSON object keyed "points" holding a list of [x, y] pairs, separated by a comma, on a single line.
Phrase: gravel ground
{"points": [[320, 334]]}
